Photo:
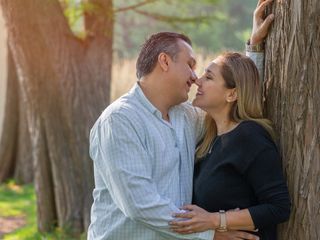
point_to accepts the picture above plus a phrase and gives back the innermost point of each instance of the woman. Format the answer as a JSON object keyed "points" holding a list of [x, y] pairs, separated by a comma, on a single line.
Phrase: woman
{"points": [[238, 164]]}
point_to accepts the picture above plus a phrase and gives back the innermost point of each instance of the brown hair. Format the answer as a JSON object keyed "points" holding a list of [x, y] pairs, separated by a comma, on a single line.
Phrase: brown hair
{"points": [[240, 72], [166, 42]]}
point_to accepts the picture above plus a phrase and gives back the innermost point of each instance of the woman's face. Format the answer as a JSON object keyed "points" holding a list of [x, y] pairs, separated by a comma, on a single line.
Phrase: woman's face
{"points": [[212, 93]]}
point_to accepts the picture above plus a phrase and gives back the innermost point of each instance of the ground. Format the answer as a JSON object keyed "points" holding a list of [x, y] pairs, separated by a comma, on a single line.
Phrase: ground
{"points": [[9, 224]]}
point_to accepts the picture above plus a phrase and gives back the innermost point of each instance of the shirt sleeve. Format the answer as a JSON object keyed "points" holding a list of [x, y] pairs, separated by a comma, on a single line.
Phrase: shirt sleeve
{"points": [[258, 59], [267, 180], [126, 169]]}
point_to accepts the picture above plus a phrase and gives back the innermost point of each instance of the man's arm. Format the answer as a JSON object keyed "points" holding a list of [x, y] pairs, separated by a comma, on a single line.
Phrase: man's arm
{"points": [[126, 168]]}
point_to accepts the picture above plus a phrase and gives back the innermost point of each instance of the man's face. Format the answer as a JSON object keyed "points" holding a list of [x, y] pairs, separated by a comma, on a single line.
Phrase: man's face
{"points": [[212, 91], [182, 73]]}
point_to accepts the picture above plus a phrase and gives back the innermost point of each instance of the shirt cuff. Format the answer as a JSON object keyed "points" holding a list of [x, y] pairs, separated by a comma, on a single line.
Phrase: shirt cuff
{"points": [[258, 58]]}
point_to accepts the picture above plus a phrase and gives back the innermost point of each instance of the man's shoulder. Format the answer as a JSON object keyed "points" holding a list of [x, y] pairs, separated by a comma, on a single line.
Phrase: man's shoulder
{"points": [[125, 106], [189, 110]]}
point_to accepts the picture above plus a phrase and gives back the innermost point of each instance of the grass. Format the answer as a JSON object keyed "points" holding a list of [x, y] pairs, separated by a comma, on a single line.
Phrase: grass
{"points": [[20, 201]]}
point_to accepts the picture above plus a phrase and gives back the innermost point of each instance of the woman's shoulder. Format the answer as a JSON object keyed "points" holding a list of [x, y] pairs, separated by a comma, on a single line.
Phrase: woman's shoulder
{"points": [[253, 133], [251, 128]]}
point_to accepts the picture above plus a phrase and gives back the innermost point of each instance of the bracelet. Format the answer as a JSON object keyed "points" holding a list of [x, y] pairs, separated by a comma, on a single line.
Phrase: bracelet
{"points": [[223, 222], [254, 48]]}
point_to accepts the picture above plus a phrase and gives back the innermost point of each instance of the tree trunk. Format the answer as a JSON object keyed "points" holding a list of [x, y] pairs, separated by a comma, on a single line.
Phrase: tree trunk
{"points": [[10, 123], [15, 155], [65, 83], [293, 100]]}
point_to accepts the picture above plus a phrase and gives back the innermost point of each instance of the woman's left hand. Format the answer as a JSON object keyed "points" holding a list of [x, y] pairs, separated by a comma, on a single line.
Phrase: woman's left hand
{"points": [[198, 220]]}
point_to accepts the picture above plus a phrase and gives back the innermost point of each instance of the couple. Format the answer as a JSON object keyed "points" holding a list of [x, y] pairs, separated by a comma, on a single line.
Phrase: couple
{"points": [[144, 144]]}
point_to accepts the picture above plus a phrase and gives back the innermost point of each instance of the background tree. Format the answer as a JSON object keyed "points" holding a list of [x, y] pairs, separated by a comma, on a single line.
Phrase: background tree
{"points": [[293, 100], [64, 83], [16, 157]]}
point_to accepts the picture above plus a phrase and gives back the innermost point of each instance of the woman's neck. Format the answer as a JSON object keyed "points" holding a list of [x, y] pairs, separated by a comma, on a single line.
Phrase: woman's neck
{"points": [[223, 122]]}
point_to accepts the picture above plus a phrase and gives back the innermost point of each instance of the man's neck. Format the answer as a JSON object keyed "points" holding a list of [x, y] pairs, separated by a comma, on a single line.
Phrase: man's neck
{"points": [[156, 97]]}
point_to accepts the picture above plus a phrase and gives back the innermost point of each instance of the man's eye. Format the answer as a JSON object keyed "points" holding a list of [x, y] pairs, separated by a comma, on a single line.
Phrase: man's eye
{"points": [[209, 77]]}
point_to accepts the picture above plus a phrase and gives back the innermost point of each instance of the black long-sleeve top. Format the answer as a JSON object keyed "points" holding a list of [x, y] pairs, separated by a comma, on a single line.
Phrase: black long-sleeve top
{"points": [[244, 170]]}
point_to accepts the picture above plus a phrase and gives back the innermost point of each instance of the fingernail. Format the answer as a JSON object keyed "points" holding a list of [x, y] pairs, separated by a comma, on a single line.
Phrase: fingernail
{"points": [[272, 16]]}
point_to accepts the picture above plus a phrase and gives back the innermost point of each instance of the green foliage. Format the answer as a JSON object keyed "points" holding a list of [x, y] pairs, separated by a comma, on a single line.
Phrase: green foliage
{"points": [[18, 200], [74, 10], [213, 25], [220, 25]]}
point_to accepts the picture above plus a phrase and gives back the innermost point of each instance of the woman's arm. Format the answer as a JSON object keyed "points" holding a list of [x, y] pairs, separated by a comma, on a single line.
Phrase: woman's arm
{"points": [[264, 174], [201, 220]]}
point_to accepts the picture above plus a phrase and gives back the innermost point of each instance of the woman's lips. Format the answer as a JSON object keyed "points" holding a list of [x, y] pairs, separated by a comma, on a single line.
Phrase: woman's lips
{"points": [[199, 93]]}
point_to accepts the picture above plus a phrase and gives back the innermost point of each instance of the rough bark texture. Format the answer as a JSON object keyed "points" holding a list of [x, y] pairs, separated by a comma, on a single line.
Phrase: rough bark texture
{"points": [[65, 84], [293, 100], [10, 122], [15, 155]]}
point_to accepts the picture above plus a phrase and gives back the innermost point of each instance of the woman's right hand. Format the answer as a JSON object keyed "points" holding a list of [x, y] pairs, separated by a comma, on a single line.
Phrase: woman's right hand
{"points": [[261, 24]]}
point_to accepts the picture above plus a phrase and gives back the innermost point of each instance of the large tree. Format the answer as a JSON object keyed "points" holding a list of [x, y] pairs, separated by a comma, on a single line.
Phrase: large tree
{"points": [[293, 103], [15, 154], [64, 83]]}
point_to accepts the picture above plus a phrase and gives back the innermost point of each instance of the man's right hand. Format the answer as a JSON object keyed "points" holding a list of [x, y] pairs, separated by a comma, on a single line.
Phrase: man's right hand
{"points": [[234, 235]]}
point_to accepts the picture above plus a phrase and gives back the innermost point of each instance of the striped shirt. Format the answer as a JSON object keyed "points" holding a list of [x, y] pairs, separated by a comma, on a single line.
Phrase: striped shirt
{"points": [[143, 168]]}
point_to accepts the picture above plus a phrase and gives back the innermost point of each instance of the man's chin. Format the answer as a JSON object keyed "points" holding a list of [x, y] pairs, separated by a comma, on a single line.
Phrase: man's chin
{"points": [[195, 102]]}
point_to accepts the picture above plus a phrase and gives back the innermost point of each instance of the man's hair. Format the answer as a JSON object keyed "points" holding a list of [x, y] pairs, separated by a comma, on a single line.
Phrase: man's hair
{"points": [[162, 42]]}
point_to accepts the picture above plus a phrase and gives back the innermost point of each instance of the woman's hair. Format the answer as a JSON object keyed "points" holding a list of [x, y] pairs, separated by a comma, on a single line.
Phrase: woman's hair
{"points": [[240, 72]]}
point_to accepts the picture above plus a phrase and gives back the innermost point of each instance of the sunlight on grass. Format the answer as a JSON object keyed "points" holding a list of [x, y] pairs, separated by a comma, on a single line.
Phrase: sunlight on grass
{"points": [[18, 201]]}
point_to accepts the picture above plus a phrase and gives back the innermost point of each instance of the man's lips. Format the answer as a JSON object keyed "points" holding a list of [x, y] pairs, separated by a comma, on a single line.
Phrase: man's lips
{"points": [[189, 83]]}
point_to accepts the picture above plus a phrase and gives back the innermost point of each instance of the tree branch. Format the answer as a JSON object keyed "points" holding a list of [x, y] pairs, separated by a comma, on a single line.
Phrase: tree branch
{"points": [[132, 7], [174, 19]]}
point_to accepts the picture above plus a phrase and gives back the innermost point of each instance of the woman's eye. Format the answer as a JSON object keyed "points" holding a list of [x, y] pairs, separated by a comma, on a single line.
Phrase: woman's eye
{"points": [[209, 77]]}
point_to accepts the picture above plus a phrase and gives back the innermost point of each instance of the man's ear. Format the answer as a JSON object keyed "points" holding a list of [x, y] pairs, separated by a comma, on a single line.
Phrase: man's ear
{"points": [[232, 95], [164, 60]]}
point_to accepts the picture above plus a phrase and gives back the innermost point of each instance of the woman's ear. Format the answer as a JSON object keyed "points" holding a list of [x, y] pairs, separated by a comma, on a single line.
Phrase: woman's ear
{"points": [[163, 60], [232, 95]]}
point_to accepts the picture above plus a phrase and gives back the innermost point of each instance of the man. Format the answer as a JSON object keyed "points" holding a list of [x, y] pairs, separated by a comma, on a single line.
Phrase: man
{"points": [[143, 147]]}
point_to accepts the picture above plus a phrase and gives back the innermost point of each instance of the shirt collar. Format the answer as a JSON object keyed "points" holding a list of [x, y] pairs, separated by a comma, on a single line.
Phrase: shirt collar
{"points": [[137, 91]]}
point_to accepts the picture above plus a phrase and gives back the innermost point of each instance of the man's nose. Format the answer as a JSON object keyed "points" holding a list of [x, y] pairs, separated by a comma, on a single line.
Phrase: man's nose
{"points": [[194, 77], [197, 81]]}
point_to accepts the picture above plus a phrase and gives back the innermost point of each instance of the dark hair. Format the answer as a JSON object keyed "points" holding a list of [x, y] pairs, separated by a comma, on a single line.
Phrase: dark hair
{"points": [[162, 42]]}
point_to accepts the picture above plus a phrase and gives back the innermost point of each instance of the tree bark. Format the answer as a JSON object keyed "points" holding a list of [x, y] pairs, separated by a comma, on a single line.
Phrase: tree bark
{"points": [[10, 123], [65, 84], [293, 99], [15, 155]]}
